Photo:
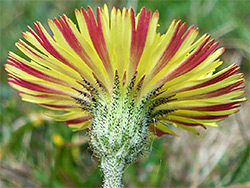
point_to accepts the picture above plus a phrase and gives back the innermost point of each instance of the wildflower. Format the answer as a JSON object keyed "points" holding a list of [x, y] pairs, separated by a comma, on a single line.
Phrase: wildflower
{"points": [[119, 78]]}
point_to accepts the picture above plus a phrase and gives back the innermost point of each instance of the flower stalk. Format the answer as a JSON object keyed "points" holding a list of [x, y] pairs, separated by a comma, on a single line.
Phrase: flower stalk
{"points": [[113, 170]]}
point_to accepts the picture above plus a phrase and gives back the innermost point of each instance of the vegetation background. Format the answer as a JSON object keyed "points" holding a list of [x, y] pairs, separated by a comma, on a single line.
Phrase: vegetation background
{"points": [[38, 152]]}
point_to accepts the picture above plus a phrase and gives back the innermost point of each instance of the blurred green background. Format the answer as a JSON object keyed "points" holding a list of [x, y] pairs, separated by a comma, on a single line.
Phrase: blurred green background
{"points": [[38, 152]]}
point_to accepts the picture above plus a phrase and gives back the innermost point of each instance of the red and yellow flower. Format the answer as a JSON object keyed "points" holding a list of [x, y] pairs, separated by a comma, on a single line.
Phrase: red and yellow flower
{"points": [[70, 66]]}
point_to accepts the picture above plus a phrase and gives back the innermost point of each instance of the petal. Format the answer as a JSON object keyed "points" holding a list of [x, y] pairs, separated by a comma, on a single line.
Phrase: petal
{"points": [[71, 64]]}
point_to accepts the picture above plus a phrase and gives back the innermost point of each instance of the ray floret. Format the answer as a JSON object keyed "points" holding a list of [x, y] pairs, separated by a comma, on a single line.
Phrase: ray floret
{"points": [[60, 64]]}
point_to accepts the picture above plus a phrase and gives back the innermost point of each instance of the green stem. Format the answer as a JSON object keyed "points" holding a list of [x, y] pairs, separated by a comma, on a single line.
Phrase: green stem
{"points": [[113, 170]]}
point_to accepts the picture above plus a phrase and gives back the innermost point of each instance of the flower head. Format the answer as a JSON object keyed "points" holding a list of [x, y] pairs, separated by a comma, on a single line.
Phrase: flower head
{"points": [[119, 77], [68, 68]]}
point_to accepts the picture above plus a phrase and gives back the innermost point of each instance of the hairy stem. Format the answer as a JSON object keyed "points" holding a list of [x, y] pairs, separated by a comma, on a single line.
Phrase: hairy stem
{"points": [[113, 170]]}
